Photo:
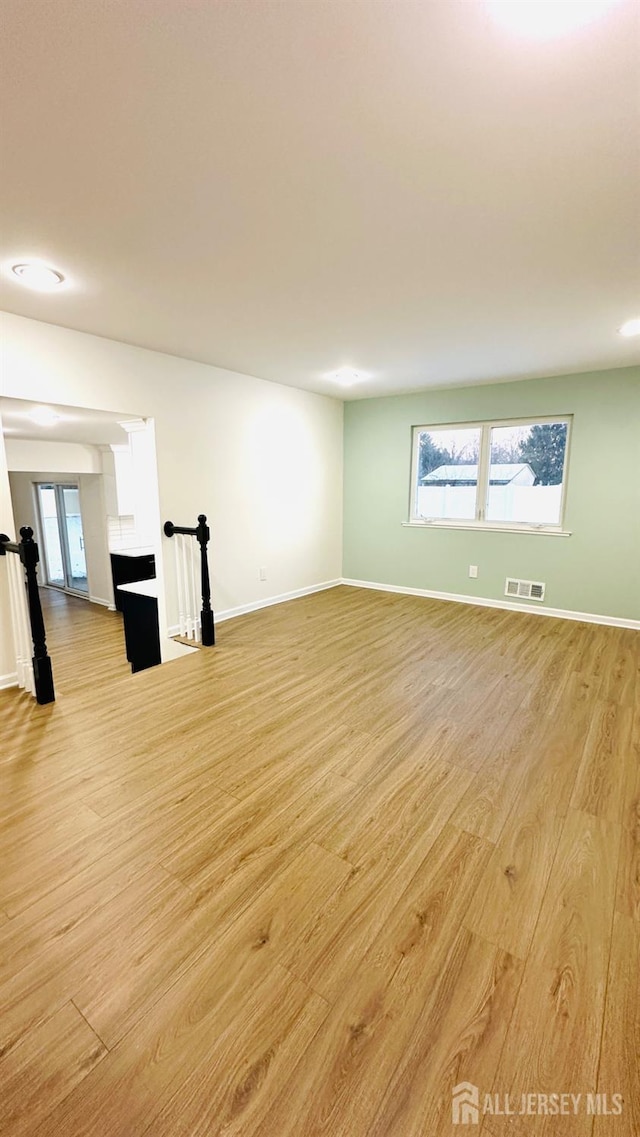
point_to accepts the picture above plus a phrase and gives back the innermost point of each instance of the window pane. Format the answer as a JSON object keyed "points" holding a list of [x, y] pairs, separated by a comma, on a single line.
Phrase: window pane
{"points": [[525, 476], [448, 473]]}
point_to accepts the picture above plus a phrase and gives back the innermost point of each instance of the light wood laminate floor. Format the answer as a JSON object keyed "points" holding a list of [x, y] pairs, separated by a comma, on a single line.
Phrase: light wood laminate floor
{"points": [[304, 883]]}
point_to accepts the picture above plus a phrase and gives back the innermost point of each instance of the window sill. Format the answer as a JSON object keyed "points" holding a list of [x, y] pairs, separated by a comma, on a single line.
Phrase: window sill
{"points": [[488, 526]]}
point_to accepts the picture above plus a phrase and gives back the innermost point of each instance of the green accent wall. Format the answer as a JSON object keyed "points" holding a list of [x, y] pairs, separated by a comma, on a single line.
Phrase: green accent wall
{"points": [[596, 570]]}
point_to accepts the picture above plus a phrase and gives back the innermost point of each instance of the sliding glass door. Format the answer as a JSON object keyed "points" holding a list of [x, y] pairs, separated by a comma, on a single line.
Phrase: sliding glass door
{"points": [[61, 522]]}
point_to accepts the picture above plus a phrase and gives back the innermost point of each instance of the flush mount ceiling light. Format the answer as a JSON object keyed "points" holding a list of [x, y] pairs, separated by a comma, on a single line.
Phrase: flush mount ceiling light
{"points": [[542, 19], [38, 276], [44, 416], [630, 327], [347, 376]]}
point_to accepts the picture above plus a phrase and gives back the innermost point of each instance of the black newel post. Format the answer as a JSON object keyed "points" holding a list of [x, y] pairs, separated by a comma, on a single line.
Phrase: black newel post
{"points": [[28, 552], [202, 534], [41, 661], [206, 615]]}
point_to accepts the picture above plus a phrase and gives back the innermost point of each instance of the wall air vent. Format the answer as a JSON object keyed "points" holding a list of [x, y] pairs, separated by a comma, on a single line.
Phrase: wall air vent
{"points": [[524, 589]]}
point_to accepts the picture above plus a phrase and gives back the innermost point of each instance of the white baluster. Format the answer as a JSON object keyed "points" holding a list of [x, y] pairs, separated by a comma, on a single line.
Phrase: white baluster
{"points": [[180, 585], [194, 549], [25, 622], [15, 617], [187, 589], [20, 623], [14, 578]]}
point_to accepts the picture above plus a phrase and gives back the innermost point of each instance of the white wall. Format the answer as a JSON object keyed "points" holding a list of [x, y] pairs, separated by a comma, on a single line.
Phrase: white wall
{"points": [[94, 525], [143, 486], [263, 461], [123, 480], [109, 483], [57, 457], [7, 655]]}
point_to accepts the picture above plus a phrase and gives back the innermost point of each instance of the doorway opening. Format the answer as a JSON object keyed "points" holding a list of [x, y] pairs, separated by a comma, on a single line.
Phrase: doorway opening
{"points": [[65, 560], [87, 484]]}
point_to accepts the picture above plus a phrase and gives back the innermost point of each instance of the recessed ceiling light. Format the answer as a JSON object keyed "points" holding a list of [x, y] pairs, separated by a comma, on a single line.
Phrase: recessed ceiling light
{"points": [[347, 376], [44, 416], [630, 327], [40, 277], [542, 19]]}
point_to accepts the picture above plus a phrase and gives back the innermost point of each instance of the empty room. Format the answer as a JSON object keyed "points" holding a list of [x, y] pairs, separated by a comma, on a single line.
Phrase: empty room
{"points": [[320, 568]]}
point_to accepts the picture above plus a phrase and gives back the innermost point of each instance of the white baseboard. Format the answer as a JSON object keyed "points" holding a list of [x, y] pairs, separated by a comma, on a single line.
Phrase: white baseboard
{"points": [[8, 680], [509, 605], [105, 603], [243, 609]]}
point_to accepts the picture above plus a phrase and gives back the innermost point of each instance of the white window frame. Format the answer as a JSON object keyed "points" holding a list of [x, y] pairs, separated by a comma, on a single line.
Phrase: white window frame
{"points": [[482, 489]]}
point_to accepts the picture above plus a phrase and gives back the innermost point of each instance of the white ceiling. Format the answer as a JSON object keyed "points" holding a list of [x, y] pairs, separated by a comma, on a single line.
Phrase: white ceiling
{"points": [[76, 424], [283, 187]]}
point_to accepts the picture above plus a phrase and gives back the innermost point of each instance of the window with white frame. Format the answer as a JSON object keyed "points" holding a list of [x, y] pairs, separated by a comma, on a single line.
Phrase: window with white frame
{"points": [[497, 475]]}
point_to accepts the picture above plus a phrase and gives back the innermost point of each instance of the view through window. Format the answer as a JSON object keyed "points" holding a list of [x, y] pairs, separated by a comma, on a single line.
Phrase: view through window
{"points": [[492, 473]]}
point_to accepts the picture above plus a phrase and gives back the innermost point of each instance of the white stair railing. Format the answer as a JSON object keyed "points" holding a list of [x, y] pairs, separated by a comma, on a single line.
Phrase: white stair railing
{"points": [[186, 555], [20, 624], [33, 663], [194, 604]]}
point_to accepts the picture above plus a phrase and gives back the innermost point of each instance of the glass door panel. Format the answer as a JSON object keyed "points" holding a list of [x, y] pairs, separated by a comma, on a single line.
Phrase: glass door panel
{"points": [[73, 538], [54, 562], [61, 520]]}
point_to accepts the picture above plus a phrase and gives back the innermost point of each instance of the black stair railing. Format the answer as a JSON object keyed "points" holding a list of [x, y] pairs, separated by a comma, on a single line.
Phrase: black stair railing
{"points": [[27, 550], [202, 534]]}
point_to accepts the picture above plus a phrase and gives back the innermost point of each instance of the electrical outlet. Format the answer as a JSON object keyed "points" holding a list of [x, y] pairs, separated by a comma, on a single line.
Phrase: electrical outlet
{"points": [[263, 572], [473, 570]]}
